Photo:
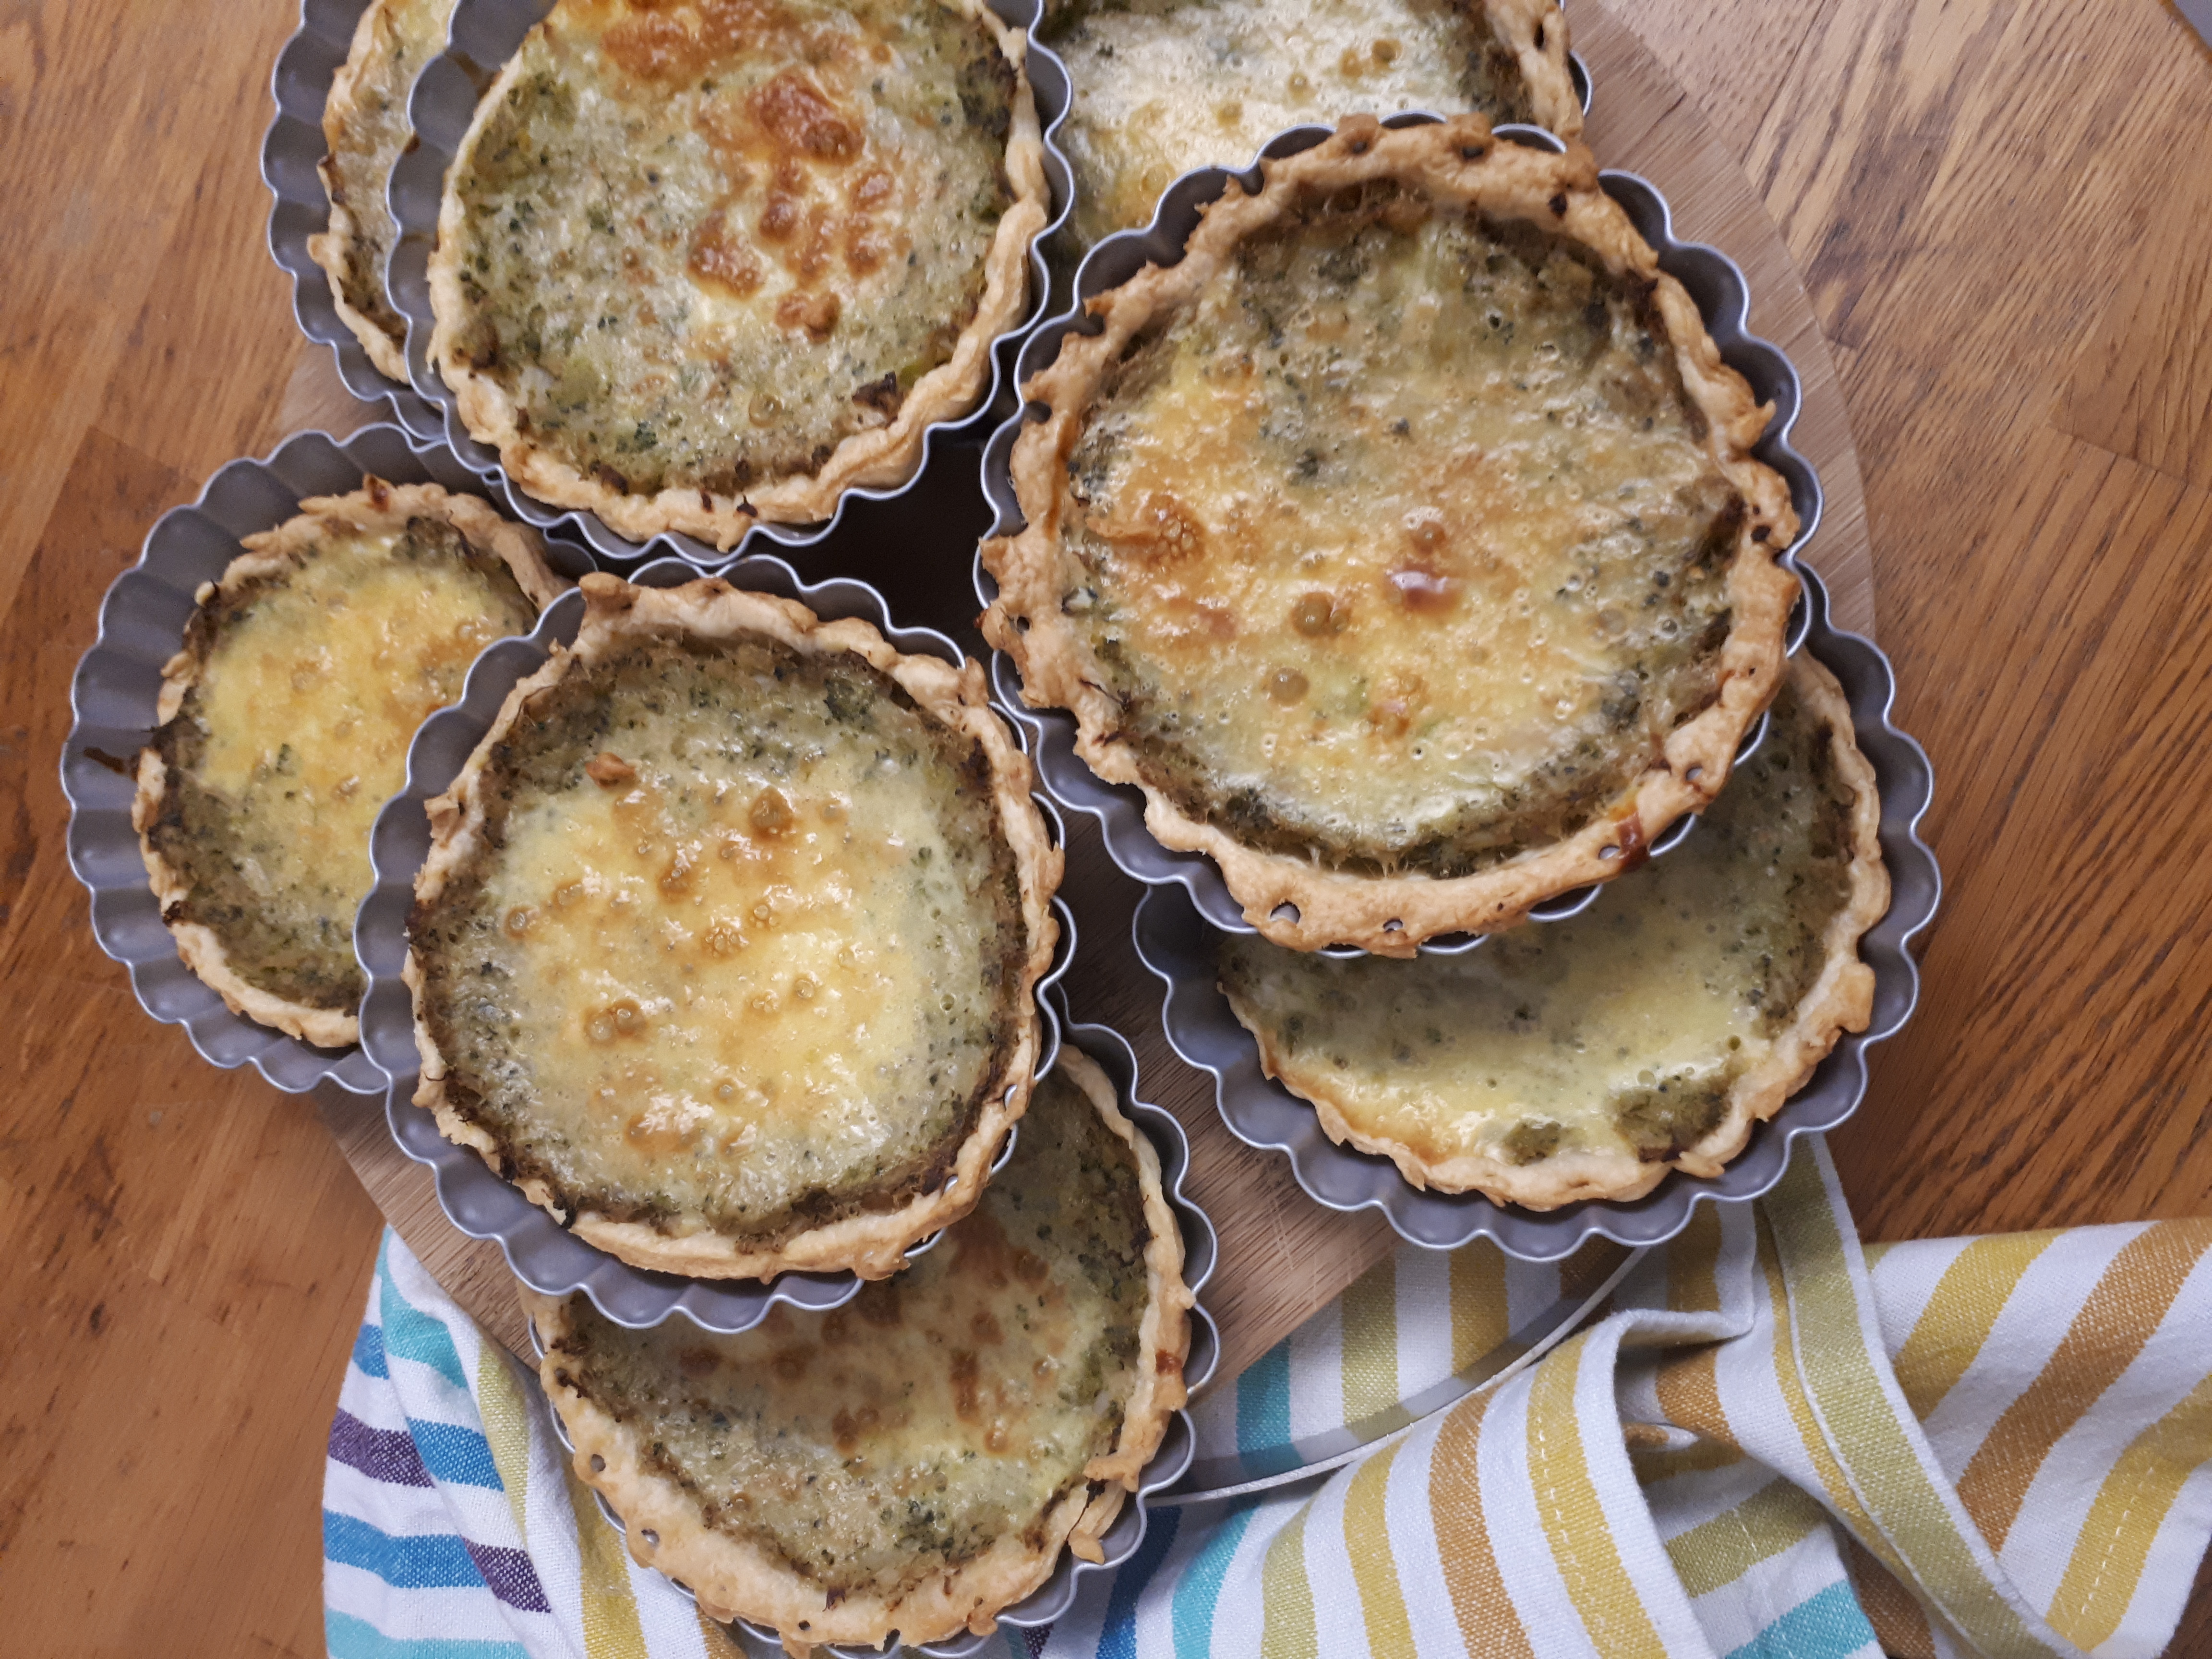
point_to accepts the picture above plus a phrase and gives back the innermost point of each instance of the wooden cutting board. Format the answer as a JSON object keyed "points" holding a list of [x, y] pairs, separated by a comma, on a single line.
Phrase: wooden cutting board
{"points": [[1282, 1255]]}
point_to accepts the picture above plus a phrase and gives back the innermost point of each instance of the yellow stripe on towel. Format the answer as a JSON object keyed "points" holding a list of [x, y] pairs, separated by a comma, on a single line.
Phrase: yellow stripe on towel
{"points": [[610, 1609], [2115, 1542], [1961, 1311], [2130, 1300], [1374, 1567], [1487, 1620], [1575, 1522]]}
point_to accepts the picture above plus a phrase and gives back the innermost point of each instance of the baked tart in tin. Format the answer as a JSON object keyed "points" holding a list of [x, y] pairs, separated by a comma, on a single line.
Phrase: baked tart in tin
{"points": [[706, 264], [1164, 86], [726, 948], [915, 1461], [285, 722], [365, 127], [1403, 541], [1587, 1058]]}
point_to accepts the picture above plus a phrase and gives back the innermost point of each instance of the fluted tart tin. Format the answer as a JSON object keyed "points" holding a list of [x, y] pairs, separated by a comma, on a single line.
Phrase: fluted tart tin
{"points": [[1714, 283], [1051, 1600], [485, 34], [116, 693], [542, 1253], [1179, 945]]}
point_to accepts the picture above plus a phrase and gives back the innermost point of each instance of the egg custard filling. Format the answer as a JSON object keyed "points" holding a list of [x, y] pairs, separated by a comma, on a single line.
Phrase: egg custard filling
{"points": [[699, 265], [1399, 542], [1585, 1058], [916, 1460], [285, 724], [366, 130], [727, 952], [1164, 86]]}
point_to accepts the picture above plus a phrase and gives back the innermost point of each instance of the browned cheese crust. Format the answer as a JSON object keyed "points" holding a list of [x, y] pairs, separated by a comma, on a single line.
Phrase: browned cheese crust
{"points": [[1290, 895], [376, 508], [870, 1243], [1839, 999], [879, 457], [738, 1577]]}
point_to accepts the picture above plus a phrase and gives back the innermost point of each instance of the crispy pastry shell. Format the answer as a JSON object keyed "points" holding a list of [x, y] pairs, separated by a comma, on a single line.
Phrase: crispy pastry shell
{"points": [[1537, 32], [329, 247], [735, 1579], [1459, 163], [1841, 999], [617, 614], [881, 457], [374, 508]]}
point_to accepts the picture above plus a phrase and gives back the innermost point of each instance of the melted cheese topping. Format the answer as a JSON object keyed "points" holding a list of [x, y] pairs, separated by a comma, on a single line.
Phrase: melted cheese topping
{"points": [[741, 945], [1400, 544], [1621, 1030], [1165, 87], [945, 1408], [700, 248], [405, 35], [296, 732]]}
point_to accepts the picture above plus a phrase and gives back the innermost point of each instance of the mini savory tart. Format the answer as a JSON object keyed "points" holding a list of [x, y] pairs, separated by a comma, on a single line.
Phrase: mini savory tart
{"points": [[1586, 1058], [1164, 86], [915, 1461], [365, 128], [285, 724], [705, 265], [1401, 542], [726, 946]]}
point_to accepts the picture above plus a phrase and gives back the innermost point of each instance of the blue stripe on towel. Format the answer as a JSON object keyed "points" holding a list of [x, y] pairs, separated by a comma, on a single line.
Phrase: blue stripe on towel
{"points": [[424, 1561], [348, 1637]]}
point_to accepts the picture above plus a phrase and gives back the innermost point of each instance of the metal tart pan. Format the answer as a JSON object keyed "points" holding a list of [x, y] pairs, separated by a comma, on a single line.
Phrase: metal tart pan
{"points": [[1723, 297], [1177, 942], [485, 34], [545, 1254], [290, 151], [118, 683], [1053, 1598]]}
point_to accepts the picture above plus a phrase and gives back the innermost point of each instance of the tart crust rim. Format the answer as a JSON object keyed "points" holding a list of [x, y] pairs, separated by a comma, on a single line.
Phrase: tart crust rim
{"points": [[872, 1245], [885, 457], [1456, 161], [375, 508], [329, 247]]}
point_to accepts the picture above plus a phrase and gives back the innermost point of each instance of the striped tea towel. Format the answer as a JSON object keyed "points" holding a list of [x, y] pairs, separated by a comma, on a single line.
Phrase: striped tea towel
{"points": [[1765, 1444]]}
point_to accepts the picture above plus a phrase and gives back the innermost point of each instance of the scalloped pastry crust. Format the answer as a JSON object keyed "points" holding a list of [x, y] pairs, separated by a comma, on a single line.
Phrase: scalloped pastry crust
{"points": [[378, 508], [730, 266], [365, 128], [736, 1577], [1839, 997], [1164, 87], [870, 1242], [1293, 896]]}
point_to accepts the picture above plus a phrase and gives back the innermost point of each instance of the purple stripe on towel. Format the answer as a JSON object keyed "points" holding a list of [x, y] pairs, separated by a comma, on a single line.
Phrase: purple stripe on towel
{"points": [[510, 1575], [385, 1455]]}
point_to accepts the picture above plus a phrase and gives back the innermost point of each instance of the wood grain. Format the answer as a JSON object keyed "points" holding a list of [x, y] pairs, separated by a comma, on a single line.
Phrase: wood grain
{"points": [[1999, 213]]}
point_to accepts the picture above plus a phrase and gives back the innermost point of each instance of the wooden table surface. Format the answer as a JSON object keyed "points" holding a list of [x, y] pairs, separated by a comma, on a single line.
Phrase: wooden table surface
{"points": [[2003, 216]]}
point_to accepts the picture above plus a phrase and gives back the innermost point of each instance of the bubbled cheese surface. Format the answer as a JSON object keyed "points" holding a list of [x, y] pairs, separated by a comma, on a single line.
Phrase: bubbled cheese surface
{"points": [[742, 944], [1621, 1030], [944, 1409], [699, 246], [1401, 545], [296, 732], [1165, 87]]}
